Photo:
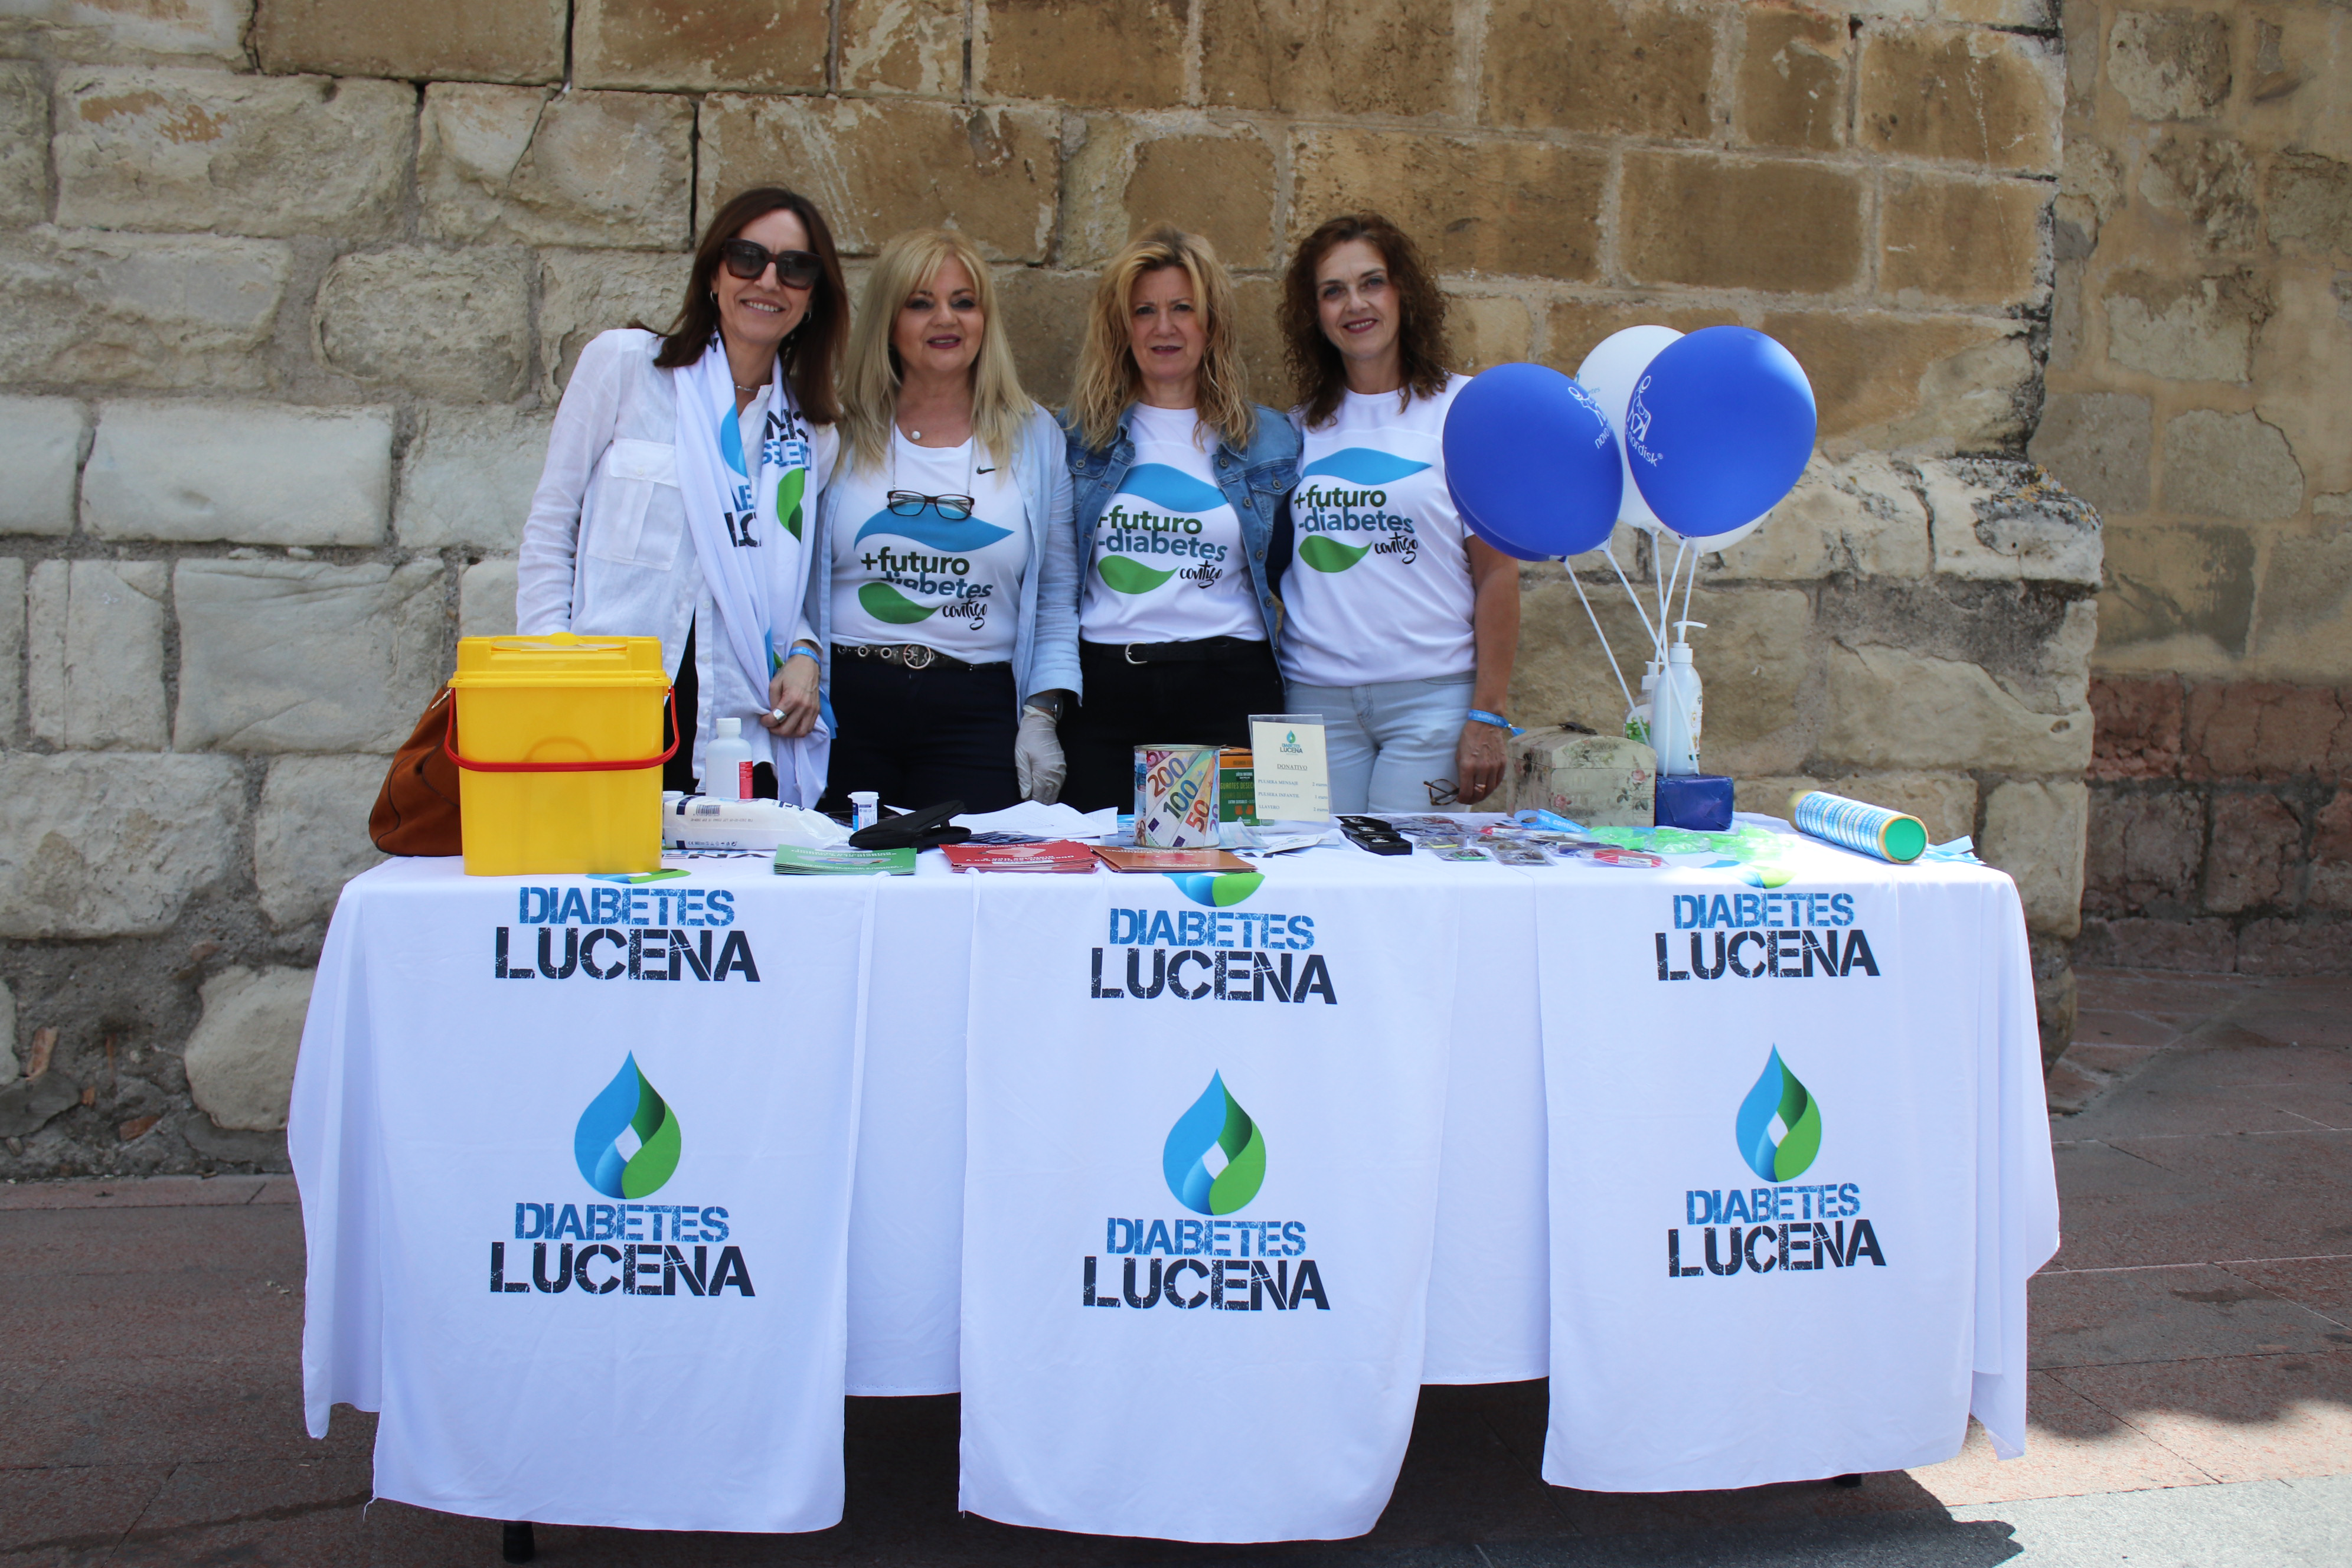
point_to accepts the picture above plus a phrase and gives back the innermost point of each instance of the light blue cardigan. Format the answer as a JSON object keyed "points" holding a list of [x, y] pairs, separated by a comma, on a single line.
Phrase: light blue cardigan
{"points": [[1045, 635]]}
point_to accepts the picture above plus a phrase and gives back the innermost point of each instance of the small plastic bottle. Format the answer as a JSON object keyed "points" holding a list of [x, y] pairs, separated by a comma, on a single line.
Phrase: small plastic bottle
{"points": [[727, 763], [1639, 720], [866, 808], [1680, 707]]}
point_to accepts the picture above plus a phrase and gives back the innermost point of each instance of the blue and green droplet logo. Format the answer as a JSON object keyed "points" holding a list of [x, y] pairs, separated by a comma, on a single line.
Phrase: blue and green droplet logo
{"points": [[1216, 889], [626, 1142], [1216, 1121], [1779, 1126]]}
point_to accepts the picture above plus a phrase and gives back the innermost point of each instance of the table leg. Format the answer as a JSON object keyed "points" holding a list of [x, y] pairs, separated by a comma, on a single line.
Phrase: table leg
{"points": [[516, 1544]]}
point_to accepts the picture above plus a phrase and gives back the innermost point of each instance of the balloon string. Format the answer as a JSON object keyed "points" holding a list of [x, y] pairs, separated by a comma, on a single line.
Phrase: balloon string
{"points": [[1634, 598], [1690, 584], [1602, 636]]}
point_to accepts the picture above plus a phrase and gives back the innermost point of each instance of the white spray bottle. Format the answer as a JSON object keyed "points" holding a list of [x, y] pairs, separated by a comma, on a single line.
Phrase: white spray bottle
{"points": [[727, 762], [1640, 719], [1680, 707]]}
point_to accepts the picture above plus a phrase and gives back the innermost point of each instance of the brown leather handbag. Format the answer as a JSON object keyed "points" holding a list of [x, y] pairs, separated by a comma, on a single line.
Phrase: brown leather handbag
{"points": [[416, 811]]}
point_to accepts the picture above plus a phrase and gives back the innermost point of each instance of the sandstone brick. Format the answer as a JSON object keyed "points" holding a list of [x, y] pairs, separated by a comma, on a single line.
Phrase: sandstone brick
{"points": [[2192, 947], [1937, 384], [2169, 65], [1472, 206], [2302, 363], [1713, 223], [114, 844], [2090, 189], [12, 644], [240, 1060], [2295, 947], [419, 40], [2143, 852], [94, 654], [2034, 832], [1588, 64], [2191, 328], [1255, 301], [2304, 598], [878, 166], [2229, 464], [584, 292], [2207, 182], [8, 1068], [1044, 320], [1123, 54], [2096, 443], [1997, 519], [2331, 854], [252, 473], [310, 835], [1303, 57], [139, 30], [1573, 328], [40, 450], [2065, 314], [2177, 581], [2256, 841], [486, 600], [524, 165], [24, 133], [902, 45], [451, 324], [1859, 516], [468, 475], [760, 45], [1888, 708], [195, 150], [1965, 242], [135, 311], [2264, 731], [2036, 15], [1966, 94], [1221, 187], [300, 655], [1791, 80], [1485, 330], [2139, 727], [2309, 201]]}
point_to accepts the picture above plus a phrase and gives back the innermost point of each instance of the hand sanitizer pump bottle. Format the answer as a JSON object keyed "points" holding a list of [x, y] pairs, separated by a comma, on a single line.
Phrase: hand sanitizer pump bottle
{"points": [[1680, 707]]}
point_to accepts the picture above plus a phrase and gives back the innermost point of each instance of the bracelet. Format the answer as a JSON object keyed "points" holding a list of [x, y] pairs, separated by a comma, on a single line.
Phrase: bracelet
{"points": [[799, 652], [1480, 716]]}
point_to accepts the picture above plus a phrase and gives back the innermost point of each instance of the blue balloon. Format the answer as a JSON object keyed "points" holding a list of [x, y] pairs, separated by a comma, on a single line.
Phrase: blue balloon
{"points": [[1530, 455], [1718, 429], [1470, 521]]}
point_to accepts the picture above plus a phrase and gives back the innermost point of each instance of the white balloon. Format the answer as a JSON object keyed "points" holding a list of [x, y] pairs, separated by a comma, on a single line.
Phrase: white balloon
{"points": [[1610, 373], [1713, 543]]}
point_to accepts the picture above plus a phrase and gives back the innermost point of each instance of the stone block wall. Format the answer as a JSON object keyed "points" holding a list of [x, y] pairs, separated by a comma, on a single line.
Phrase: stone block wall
{"points": [[292, 287], [2201, 396]]}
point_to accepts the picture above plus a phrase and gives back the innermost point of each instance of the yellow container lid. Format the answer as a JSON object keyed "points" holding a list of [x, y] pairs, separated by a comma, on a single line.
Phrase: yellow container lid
{"points": [[559, 658]]}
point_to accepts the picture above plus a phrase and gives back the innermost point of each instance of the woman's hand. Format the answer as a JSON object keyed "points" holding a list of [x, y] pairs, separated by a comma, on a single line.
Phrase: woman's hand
{"points": [[791, 692], [1477, 762]]}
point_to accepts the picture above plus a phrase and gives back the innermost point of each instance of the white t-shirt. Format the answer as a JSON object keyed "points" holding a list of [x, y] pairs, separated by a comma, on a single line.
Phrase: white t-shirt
{"points": [[1379, 586], [1166, 562], [951, 586]]}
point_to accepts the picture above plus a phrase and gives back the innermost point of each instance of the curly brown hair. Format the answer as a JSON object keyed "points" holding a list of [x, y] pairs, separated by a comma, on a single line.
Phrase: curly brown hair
{"points": [[813, 350], [1318, 373]]}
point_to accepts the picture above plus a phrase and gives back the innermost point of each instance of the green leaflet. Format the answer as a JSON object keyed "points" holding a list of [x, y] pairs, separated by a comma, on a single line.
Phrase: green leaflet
{"points": [[788, 491], [1326, 554], [1130, 576], [885, 603]]}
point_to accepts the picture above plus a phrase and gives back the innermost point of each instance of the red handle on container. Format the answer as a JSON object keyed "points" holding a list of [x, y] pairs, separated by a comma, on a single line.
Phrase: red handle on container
{"points": [[449, 745]]}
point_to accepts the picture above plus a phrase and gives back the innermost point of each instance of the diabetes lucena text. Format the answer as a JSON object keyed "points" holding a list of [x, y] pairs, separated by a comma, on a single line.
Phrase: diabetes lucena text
{"points": [[1792, 936], [1228, 1265], [1230, 955], [609, 931], [632, 1250], [1797, 1226]]}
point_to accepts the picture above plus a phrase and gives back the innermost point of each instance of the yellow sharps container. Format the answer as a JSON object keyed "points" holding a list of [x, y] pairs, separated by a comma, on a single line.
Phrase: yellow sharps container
{"points": [[558, 740]]}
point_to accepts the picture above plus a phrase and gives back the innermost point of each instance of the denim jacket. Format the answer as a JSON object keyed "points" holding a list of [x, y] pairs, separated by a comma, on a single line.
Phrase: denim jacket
{"points": [[1257, 482]]}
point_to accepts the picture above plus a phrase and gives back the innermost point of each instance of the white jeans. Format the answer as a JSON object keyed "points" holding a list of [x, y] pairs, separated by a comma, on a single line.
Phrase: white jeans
{"points": [[1386, 742]]}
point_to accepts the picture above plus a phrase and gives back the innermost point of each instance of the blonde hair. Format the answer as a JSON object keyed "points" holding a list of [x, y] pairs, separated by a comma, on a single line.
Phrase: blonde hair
{"points": [[869, 382], [1108, 378]]}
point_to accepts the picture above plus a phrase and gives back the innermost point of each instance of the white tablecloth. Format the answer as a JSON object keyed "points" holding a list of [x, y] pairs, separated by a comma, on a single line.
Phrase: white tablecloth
{"points": [[1557, 958]]}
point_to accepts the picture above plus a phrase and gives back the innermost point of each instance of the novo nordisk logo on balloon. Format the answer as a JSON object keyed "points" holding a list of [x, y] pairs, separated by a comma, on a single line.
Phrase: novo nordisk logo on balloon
{"points": [[626, 1145], [1213, 1160], [1789, 1226]]}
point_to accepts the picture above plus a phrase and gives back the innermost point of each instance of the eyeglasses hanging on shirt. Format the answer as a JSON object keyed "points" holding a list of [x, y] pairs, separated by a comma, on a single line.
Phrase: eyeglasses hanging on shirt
{"points": [[910, 503]]}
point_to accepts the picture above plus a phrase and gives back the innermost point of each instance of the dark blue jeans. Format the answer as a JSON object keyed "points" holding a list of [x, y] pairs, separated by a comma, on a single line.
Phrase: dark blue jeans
{"points": [[920, 737]]}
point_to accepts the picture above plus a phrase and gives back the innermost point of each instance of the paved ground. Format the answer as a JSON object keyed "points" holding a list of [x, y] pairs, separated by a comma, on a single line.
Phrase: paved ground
{"points": [[2192, 1402]]}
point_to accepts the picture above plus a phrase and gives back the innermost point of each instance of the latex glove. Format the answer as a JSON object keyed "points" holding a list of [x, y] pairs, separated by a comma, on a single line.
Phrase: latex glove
{"points": [[1037, 758]]}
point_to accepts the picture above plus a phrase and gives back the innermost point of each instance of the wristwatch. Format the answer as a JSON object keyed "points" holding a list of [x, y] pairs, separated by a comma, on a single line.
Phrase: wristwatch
{"points": [[1049, 703]]}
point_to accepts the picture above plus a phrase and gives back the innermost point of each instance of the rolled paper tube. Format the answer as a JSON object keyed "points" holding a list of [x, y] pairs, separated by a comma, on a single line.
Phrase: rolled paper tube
{"points": [[1697, 802], [1859, 825]]}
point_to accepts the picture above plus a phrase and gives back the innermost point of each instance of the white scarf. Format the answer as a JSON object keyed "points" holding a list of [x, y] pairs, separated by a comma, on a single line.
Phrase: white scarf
{"points": [[755, 566]]}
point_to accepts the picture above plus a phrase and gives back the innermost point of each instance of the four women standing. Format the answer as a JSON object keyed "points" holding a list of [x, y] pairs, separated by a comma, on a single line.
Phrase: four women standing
{"points": [[948, 591]]}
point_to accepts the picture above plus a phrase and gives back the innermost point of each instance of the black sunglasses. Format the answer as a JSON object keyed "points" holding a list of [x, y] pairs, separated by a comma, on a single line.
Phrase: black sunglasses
{"points": [[747, 258], [910, 503]]}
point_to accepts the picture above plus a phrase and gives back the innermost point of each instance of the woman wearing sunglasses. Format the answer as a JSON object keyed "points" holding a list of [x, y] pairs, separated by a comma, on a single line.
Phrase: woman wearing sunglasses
{"points": [[682, 481], [944, 589], [1180, 519]]}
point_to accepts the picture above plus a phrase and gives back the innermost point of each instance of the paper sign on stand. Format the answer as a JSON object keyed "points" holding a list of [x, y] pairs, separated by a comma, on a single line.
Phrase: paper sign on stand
{"points": [[1294, 780]]}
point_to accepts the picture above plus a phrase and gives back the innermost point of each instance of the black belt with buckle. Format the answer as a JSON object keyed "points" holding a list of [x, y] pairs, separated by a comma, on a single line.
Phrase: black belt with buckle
{"points": [[911, 656], [1193, 650]]}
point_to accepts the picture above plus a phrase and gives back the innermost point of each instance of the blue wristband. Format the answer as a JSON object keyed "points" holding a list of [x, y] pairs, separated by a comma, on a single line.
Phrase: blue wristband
{"points": [[799, 652], [1480, 716]]}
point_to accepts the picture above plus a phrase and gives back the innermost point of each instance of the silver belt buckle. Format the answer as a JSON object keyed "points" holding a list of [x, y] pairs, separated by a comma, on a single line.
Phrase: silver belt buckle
{"points": [[917, 657], [1129, 651]]}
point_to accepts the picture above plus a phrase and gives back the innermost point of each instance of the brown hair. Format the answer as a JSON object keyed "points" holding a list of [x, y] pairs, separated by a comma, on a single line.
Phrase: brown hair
{"points": [[1107, 377], [1318, 373], [810, 351]]}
